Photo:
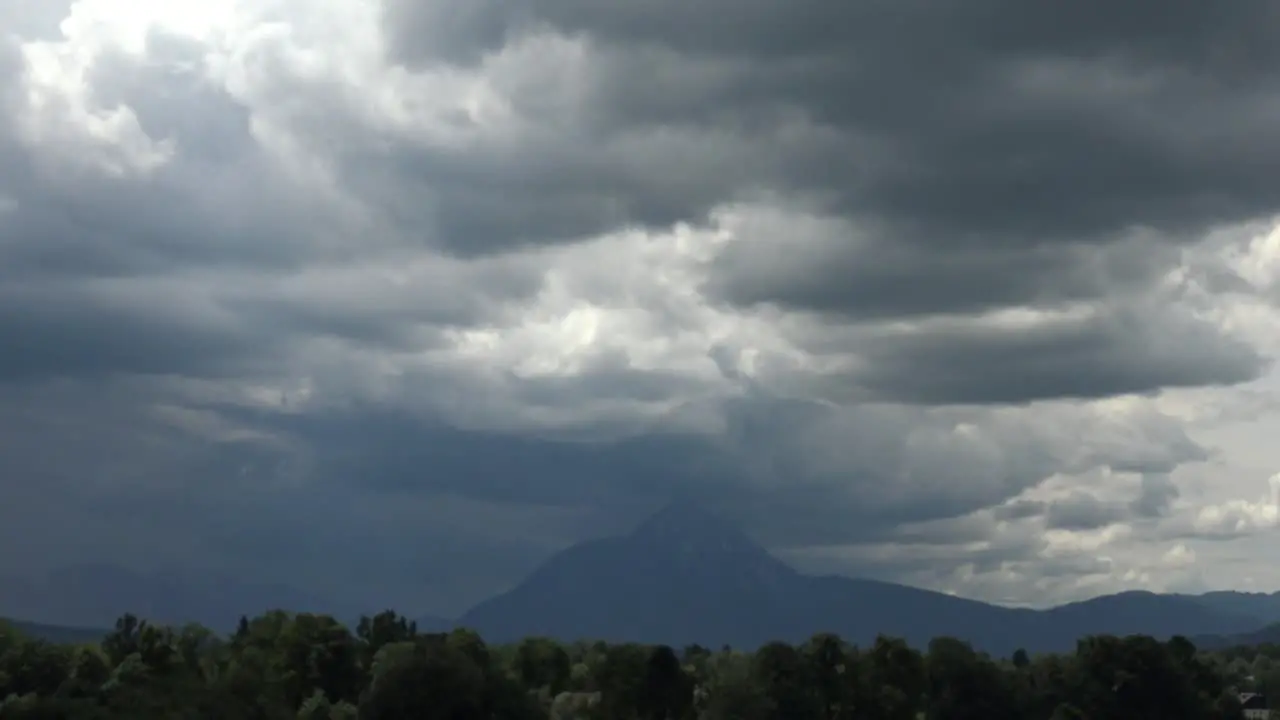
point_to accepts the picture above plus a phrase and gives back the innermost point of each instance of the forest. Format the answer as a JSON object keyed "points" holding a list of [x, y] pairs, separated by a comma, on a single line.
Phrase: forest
{"points": [[283, 665]]}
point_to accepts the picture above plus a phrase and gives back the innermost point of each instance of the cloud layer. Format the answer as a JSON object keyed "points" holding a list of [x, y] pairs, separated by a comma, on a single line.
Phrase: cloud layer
{"points": [[968, 294]]}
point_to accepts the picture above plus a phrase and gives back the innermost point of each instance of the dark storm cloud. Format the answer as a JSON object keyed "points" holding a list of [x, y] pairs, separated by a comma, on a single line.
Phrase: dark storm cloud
{"points": [[324, 498], [453, 30], [763, 28], [566, 184], [216, 326], [836, 268], [768, 472], [1155, 497], [1123, 353], [212, 266], [971, 156], [397, 453], [218, 264], [237, 212], [789, 502], [968, 157], [943, 204], [1082, 511], [964, 123], [88, 473], [941, 564], [70, 334], [429, 551], [1019, 510]]}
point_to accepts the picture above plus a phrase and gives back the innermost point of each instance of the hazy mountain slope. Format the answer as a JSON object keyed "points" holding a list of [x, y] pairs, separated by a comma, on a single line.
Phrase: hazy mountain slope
{"points": [[56, 633], [687, 576], [434, 624], [1143, 613], [859, 610], [95, 595], [1269, 635], [1264, 607], [681, 577]]}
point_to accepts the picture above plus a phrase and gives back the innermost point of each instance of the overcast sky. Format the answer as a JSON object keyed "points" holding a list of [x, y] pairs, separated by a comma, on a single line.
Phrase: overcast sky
{"points": [[391, 300]]}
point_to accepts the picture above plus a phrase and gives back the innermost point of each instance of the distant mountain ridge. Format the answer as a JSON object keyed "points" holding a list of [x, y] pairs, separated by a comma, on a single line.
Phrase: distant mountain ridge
{"points": [[686, 575], [60, 634], [1264, 606], [628, 586], [683, 575], [94, 595], [1269, 635]]}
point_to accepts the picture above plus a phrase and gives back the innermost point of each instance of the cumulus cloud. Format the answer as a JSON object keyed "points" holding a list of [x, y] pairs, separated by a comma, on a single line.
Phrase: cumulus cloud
{"points": [[968, 294]]}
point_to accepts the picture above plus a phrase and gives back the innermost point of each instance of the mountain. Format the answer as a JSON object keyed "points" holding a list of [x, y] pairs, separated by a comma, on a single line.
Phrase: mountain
{"points": [[1140, 612], [434, 624], [96, 595], [1263, 606], [1269, 635], [55, 633], [682, 576], [686, 575]]}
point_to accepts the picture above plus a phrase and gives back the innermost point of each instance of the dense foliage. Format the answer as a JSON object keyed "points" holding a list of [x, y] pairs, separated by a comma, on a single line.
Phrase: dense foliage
{"points": [[312, 667], [1255, 668]]}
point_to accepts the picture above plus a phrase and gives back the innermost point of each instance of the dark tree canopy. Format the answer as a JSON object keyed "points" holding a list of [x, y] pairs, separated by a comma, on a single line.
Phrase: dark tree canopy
{"points": [[284, 665]]}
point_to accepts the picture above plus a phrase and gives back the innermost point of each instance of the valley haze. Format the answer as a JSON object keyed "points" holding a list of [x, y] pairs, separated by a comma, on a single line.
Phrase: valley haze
{"points": [[430, 304], [686, 576]]}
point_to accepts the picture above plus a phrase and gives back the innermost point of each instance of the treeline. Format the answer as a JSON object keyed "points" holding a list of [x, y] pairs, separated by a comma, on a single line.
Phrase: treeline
{"points": [[312, 667], [1254, 668]]}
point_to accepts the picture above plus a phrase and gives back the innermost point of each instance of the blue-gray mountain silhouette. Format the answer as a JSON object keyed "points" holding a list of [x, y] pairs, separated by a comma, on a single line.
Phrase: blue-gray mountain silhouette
{"points": [[1269, 635], [686, 575], [94, 595]]}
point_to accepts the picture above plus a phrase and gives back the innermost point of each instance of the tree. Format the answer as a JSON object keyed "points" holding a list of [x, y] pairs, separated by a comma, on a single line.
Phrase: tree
{"points": [[383, 629], [784, 675], [666, 693], [423, 677], [731, 691], [891, 682], [619, 677], [833, 677], [35, 667], [301, 666], [543, 663], [964, 685], [123, 641]]}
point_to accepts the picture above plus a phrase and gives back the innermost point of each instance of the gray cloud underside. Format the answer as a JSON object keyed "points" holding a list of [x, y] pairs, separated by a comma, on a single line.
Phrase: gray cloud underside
{"points": [[970, 157], [956, 218], [987, 123]]}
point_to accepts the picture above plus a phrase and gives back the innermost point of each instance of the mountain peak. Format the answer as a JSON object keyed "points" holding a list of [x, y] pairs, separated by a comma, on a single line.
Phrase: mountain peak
{"points": [[690, 525]]}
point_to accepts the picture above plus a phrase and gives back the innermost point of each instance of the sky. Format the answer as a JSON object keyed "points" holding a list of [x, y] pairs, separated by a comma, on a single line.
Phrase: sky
{"points": [[391, 300]]}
